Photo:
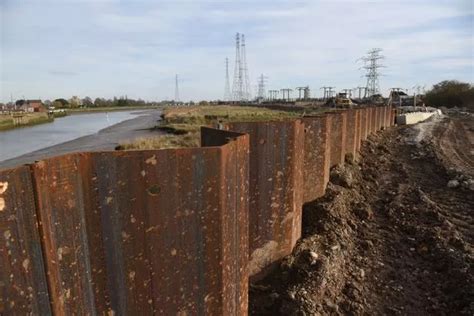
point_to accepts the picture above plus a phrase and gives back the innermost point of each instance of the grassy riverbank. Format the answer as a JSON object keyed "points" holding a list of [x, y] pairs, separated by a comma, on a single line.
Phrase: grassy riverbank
{"points": [[8, 122], [183, 124]]}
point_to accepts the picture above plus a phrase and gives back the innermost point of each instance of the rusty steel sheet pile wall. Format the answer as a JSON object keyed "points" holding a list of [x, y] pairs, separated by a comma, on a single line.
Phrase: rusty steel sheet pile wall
{"points": [[316, 156], [381, 117], [358, 140], [364, 123], [351, 133], [338, 137], [173, 231], [276, 190], [144, 232], [388, 111], [23, 284], [373, 120]]}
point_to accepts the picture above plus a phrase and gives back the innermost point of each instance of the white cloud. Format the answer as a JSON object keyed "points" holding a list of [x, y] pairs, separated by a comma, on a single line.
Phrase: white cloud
{"points": [[135, 48]]}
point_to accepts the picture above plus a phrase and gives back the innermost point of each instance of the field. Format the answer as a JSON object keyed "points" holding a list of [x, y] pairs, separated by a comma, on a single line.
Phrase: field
{"points": [[183, 124]]}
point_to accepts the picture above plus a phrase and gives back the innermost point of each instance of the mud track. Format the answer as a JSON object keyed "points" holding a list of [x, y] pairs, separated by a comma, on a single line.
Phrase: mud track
{"points": [[389, 237], [454, 141]]}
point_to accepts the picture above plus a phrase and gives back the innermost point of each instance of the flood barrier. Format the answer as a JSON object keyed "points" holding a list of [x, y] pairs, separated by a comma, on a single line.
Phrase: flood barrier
{"points": [[172, 231], [276, 190]]}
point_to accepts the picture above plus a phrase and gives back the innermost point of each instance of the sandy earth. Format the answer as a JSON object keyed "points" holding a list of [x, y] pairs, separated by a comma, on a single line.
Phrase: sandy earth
{"points": [[106, 139], [389, 237]]}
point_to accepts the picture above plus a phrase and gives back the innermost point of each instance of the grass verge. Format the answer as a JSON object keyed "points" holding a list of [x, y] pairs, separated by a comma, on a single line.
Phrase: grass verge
{"points": [[183, 124], [7, 122]]}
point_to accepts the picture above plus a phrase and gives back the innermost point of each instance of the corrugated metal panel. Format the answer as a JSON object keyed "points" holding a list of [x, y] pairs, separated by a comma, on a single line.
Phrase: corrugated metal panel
{"points": [[317, 158], [338, 137], [351, 133], [276, 190], [148, 231], [23, 286]]}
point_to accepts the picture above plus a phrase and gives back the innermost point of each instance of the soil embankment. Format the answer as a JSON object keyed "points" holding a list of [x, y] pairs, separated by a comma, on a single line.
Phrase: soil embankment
{"points": [[389, 237]]}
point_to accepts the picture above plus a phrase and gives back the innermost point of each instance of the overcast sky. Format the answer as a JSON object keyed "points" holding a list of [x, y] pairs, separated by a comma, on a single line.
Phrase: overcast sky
{"points": [[106, 48]]}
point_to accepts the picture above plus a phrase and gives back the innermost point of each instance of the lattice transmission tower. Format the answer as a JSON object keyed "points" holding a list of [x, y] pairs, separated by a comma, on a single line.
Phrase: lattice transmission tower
{"points": [[237, 84], [261, 93], [176, 90], [241, 84], [227, 94], [245, 72], [372, 65]]}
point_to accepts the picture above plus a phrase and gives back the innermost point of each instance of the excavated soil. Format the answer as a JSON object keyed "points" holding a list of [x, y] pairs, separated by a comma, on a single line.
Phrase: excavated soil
{"points": [[389, 237]]}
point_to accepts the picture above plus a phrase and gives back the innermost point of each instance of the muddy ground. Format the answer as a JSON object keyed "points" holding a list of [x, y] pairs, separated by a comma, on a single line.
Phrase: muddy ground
{"points": [[390, 236]]}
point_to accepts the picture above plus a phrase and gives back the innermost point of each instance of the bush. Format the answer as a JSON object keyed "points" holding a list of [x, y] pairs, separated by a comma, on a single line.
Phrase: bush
{"points": [[451, 93]]}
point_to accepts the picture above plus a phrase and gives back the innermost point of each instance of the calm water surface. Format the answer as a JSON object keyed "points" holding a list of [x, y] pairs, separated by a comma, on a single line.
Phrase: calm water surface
{"points": [[21, 141]]}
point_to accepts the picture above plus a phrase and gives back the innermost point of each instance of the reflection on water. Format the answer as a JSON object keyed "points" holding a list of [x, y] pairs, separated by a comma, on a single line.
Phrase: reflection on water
{"points": [[21, 141]]}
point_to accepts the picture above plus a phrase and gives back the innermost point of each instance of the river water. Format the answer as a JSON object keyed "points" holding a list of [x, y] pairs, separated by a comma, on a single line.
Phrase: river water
{"points": [[20, 141]]}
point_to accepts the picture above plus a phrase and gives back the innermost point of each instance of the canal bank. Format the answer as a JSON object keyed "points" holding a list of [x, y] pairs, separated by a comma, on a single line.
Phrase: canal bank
{"points": [[85, 132]]}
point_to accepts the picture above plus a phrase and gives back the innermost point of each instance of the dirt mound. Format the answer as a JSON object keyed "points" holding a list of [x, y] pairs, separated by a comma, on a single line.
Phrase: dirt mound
{"points": [[389, 237]]}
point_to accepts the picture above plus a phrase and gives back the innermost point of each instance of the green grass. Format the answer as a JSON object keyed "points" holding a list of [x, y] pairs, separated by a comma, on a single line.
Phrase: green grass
{"points": [[59, 114], [7, 122], [183, 124]]}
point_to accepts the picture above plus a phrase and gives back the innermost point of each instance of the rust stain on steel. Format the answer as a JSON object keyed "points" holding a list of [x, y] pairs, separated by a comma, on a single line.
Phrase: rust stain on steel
{"points": [[379, 117], [358, 139], [373, 120], [64, 208], [276, 190], [382, 117], [23, 285], [337, 137], [235, 216], [147, 232], [316, 156], [389, 112], [351, 133], [364, 122]]}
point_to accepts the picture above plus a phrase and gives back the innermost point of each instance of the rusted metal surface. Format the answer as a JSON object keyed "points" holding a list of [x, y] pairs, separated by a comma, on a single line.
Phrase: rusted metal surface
{"points": [[358, 140], [23, 285], [377, 118], [351, 133], [380, 117], [384, 117], [388, 110], [65, 206], [276, 190], [147, 232], [337, 137], [364, 123], [235, 216], [373, 120], [316, 156]]}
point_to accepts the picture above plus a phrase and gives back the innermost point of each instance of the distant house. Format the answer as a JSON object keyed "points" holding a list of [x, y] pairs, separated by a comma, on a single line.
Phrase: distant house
{"points": [[31, 105]]}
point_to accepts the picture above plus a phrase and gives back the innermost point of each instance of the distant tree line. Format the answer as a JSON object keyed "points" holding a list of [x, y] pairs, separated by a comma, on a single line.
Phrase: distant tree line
{"points": [[451, 93], [87, 102]]}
